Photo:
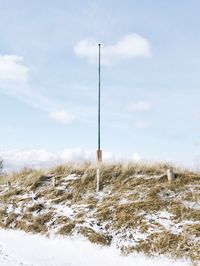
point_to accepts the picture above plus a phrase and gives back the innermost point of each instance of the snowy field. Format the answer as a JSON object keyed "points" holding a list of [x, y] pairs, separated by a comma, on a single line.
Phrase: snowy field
{"points": [[19, 248]]}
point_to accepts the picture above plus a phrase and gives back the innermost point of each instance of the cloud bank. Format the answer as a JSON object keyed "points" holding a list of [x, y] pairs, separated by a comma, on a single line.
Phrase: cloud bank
{"points": [[129, 46], [38, 158]]}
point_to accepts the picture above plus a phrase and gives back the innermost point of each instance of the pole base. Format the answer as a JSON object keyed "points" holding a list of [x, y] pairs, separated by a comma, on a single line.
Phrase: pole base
{"points": [[99, 156]]}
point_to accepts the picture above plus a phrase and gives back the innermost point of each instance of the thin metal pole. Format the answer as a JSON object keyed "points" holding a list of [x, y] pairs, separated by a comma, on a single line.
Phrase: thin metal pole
{"points": [[99, 152], [99, 102]]}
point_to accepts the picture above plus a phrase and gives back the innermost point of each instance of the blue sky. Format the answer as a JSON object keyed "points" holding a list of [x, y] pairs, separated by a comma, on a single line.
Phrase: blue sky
{"points": [[150, 77]]}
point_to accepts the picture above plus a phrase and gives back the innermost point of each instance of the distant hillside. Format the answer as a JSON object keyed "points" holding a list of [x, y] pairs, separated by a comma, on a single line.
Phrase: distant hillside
{"points": [[137, 209]]}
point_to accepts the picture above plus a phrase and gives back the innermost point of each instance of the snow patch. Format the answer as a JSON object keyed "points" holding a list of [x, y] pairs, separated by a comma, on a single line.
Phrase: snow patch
{"points": [[18, 248]]}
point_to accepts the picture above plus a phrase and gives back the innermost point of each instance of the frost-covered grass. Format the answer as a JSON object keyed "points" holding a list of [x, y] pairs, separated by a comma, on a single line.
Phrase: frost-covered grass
{"points": [[137, 210]]}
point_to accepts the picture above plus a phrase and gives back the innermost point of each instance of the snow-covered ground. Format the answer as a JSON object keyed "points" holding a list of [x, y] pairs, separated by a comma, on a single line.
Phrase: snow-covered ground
{"points": [[19, 248]]}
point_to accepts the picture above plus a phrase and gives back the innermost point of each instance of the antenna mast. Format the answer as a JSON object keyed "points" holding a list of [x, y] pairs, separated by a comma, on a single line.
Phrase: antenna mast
{"points": [[99, 151]]}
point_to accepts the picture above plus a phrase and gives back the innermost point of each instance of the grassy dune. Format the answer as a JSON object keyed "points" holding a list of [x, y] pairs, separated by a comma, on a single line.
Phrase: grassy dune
{"points": [[137, 208]]}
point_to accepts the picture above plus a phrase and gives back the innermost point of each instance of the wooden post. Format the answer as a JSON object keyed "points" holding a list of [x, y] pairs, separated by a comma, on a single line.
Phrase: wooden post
{"points": [[9, 185], [54, 181], [99, 156], [170, 175], [99, 161]]}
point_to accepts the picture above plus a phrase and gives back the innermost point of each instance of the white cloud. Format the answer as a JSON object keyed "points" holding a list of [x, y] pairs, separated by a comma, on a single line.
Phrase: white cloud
{"points": [[62, 116], [136, 157], [36, 158], [140, 106], [42, 158], [15, 81], [79, 154], [141, 124], [129, 46], [12, 70]]}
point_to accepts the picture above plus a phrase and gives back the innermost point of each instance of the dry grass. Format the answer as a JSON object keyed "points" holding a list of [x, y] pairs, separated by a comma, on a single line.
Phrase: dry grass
{"points": [[4, 178], [67, 228], [94, 237], [10, 219], [104, 213], [61, 220], [70, 168], [34, 227], [176, 245], [36, 224], [180, 212], [130, 193], [193, 229], [36, 207]]}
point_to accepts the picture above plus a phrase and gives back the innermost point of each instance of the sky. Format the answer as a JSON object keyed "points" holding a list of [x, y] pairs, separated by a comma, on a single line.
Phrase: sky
{"points": [[49, 80]]}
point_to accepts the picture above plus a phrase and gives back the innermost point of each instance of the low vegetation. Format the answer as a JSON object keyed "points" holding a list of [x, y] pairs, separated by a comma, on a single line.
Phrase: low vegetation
{"points": [[137, 209]]}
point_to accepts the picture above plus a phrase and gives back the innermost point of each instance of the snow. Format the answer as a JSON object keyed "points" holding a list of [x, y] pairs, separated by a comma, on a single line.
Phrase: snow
{"points": [[164, 219], [192, 205], [63, 210], [19, 248], [71, 177]]}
